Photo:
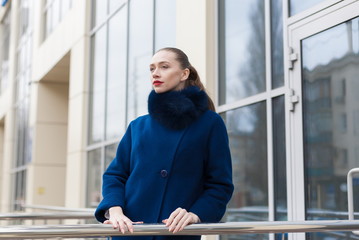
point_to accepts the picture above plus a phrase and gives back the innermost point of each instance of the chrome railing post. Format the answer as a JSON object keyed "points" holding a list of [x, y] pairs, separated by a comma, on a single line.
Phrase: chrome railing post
{"points": [[351, 195], [350, 192]]}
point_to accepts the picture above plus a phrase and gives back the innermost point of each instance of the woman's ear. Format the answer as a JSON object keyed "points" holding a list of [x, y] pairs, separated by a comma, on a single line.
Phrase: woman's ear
{"points": [[185, 74]]}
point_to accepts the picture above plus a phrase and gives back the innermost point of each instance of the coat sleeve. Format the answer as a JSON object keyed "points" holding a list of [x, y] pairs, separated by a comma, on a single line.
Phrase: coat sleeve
{"points": [[115, 177], [218, 186]]}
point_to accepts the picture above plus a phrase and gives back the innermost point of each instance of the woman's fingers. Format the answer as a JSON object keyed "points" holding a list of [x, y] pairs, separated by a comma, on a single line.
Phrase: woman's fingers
{"points": [[175, 218], [179, 219], [123, 223]]}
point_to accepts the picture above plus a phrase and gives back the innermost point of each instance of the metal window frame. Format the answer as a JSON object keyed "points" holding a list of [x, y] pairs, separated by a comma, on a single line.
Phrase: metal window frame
{"points": [[266, 96]]}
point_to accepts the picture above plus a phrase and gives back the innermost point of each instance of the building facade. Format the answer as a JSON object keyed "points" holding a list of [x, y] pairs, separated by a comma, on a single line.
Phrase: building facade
{"points": [[283, 75]]}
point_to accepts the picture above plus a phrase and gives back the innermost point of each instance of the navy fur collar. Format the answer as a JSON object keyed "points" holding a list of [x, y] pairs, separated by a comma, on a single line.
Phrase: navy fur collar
{"points": [[177, 109]]}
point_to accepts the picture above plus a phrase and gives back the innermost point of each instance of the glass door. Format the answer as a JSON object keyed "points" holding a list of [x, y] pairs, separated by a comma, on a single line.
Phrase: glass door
{"points": [[325, 77]]}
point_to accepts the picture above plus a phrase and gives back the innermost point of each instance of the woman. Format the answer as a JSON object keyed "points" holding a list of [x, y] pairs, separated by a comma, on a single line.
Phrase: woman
{"points": [[172, 165]]}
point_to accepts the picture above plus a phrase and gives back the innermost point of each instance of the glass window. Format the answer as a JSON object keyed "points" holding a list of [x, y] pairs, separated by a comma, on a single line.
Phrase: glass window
{"points": [[120, 77], [99, 11], [94, 170], [241, 49], [165, 22], [247, 133], [116, 79], [24, 16], [4, 58], [140, 53], [297, 6], [277, 44], [115, 4], [55, 11], [329, 137], [98, 87], [356, 123], [65, 6], [110, 153], [20, 190], [23, 134], [279, 159]]}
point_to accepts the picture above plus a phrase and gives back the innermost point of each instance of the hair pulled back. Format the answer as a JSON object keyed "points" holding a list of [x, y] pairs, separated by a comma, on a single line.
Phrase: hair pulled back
{"points": [[193, 77]]}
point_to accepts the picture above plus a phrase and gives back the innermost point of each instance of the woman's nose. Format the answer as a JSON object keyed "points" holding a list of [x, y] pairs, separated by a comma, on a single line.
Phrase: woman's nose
{"points": [[155, 72]]}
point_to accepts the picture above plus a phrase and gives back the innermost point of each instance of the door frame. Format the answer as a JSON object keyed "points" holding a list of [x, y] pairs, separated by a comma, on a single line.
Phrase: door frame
{"points": [[321, 21]]}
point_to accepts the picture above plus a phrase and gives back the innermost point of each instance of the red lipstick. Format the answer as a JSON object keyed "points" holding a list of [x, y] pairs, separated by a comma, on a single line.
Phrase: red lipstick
{"points": [[157, 83]]}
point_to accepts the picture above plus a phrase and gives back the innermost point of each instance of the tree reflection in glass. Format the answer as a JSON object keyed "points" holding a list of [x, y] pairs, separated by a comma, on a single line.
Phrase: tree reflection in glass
{"points": [[242, 49], [247, 133], [330, 115]]}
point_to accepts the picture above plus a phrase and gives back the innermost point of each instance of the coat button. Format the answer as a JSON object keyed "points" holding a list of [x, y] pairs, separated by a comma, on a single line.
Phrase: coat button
{"points": [[164, 173]]}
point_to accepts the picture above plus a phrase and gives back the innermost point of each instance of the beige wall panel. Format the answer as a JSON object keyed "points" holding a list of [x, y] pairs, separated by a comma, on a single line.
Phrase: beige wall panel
{"points": [[45, 185], [77, 124], [196, 37], [2, 139], [191, 31], [52, 102], [79, 67], [50, 144], [75, 180]]}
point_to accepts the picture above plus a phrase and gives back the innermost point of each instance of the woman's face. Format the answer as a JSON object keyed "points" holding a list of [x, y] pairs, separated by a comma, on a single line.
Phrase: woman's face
{"points": [[166, 72]]}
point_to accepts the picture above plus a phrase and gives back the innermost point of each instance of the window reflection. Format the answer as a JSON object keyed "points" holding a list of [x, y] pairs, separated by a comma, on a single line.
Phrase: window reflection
{"points": [[97, 115], [330, 106], [116, 76], [20, 190], [23, 133], [242, 49], [94, 170], [297, 6], [115, 4], [55, 11], [110, 153], [140, 53], [165, 20], [247, 133], [277, 44], [120, 78], [4, 57], [99, 8], [279, 159]]}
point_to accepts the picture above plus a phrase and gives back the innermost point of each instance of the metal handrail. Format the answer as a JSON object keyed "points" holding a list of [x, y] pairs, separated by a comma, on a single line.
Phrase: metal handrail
{"points": [[104, 230], [46, 215], [57, 208]]}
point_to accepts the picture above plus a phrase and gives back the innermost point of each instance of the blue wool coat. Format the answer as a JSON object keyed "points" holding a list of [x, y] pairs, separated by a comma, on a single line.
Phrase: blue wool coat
{"points": [[158, 169]]}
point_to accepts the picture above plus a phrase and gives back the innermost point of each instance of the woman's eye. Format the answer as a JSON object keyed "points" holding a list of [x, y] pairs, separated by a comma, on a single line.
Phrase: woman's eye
{"points": [[151, 69], [165, 66]]}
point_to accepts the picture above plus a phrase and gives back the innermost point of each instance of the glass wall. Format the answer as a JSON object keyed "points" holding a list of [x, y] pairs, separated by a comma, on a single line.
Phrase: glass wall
{"points": [[297, 6], [242, 49], [330, 120], [124, 36], [23, 136], [251, 101], [4, 57], [54, 12]]}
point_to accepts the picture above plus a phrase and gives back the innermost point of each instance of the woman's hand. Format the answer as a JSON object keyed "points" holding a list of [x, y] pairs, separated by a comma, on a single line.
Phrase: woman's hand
{"points": [[180, 218], [119, 220]]}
